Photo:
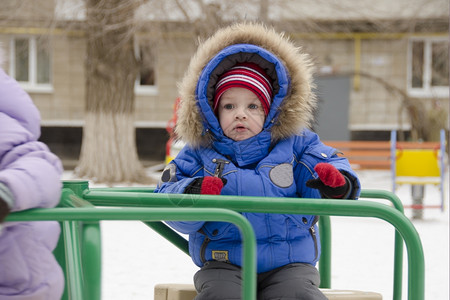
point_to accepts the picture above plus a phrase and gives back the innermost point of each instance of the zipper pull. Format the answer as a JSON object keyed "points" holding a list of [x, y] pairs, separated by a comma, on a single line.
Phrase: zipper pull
{"points": [[220, 166]]}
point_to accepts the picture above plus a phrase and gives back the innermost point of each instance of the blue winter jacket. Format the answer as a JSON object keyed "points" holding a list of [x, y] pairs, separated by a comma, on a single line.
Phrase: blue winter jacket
{"points": [[275, 163]]}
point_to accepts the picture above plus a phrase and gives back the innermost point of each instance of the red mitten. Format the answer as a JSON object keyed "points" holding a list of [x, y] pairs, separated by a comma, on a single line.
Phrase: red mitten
{"points": [[211, 186], [205, 185], [331, 183]]}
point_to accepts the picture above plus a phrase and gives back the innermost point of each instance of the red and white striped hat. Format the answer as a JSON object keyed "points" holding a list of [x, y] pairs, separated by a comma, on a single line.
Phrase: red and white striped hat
{"points": [[249, 76]]}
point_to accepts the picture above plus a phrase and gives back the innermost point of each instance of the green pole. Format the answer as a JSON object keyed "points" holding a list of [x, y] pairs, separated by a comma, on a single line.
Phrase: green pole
{"points": [[325, 258], [78, 187], [398, 242], [89, 235], [74, 272], [168, 233]]}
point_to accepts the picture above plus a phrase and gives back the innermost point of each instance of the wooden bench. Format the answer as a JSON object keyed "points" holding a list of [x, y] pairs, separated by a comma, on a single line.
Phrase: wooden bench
{"points": [[365, 154], [177, 291]]}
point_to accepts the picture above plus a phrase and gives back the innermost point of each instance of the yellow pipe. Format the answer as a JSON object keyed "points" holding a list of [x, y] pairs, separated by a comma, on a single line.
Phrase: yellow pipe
{"points": [[40, 31], [357, 54], [364, 35]]}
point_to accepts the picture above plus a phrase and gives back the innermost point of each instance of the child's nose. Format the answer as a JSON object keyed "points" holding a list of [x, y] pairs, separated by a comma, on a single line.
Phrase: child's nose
{"points": [[241, 113]]}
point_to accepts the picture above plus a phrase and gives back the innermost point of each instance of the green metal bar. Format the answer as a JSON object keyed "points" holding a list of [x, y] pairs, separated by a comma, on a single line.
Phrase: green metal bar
{"points": [[74, 274], [70, 241], [142, 189], [398, 267], [182, 244], [91, 259], [89, 235], [325, 233], [78, 187], [168, 233], [153, 214], [60, 255], [290, 205], [196, 200], [398, 242], [325, 257], [386, 195], [73, 192], [172, 236]]}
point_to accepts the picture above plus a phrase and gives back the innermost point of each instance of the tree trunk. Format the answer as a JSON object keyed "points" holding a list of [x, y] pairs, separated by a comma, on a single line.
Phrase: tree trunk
{"points": [[109, 152]]}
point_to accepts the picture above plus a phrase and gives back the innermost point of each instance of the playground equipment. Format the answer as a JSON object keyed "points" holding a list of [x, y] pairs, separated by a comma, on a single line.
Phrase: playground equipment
{"points": [[415, 163], [419, 164], [79, 250]]}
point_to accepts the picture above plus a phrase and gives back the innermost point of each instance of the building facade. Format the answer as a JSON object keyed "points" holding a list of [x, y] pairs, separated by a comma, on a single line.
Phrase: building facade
{"points": [[384, 66]]}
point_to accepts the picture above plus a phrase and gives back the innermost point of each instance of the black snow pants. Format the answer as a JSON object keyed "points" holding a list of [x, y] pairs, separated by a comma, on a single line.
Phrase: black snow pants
{"points": [[220, 280]]}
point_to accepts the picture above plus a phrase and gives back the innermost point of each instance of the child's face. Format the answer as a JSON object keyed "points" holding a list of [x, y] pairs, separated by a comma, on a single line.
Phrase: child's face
{"points": [[241, 114]]}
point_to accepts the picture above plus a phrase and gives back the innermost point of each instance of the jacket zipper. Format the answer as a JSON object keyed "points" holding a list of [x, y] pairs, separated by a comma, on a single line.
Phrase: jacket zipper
{"points": [[203, 249], [312, 230], [314, 236]]}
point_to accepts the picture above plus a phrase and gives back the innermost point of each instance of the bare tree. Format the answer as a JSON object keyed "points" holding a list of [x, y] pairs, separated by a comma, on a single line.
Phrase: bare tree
{"points": [[109, 152]]}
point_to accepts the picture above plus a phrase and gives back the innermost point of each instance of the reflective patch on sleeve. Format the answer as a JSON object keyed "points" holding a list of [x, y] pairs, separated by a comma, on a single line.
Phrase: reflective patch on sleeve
{"points": [[282, 175], [169, 174]]}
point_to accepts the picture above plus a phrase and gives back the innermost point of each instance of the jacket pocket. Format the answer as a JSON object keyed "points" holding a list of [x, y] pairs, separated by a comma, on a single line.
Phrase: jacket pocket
{"points": [[303, 221], [215, 231], [322, 154]]}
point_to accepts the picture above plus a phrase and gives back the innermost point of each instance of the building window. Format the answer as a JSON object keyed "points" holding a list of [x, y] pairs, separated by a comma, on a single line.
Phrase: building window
{"points": [[30, 63], [146, 81], [428, 67]]}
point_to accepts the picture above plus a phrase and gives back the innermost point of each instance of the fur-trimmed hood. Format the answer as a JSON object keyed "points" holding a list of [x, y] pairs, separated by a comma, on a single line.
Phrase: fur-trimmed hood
{"points": [[293, 104]]}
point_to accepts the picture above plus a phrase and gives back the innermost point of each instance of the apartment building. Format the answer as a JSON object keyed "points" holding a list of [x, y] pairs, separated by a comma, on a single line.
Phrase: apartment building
{"points": [[369, 61]]}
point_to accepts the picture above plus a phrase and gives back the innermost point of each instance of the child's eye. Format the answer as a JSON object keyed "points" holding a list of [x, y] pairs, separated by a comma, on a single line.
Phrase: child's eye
{"points": [[228, 106], [253, 106]]}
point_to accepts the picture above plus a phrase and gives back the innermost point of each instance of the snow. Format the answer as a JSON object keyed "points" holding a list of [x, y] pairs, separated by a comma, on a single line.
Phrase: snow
{"points": [[135, 258]]}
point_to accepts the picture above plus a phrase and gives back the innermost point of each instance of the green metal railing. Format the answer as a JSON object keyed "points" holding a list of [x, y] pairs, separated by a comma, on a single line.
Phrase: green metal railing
{"points": [[77, 257], [324, 230], [398, 242], [142, 204]]}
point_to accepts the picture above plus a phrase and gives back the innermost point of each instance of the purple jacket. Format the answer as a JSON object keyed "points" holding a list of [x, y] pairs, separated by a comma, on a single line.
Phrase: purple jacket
{"points": [[29, 178]]}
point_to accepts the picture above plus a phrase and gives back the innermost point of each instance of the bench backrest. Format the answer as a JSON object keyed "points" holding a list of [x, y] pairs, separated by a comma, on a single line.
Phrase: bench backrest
{"points": [[380, 154]]}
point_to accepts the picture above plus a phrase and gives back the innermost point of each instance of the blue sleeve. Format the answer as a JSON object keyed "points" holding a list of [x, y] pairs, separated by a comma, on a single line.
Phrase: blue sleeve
{"points": [[176, 176], [313, 151]]}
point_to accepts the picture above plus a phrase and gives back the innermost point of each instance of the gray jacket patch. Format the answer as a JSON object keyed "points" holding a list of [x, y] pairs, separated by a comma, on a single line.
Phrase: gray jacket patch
{"points": [[282, 175]]}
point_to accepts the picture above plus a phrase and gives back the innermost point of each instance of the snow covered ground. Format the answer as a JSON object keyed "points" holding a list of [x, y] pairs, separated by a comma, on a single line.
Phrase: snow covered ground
{"points": [[135, 258]]}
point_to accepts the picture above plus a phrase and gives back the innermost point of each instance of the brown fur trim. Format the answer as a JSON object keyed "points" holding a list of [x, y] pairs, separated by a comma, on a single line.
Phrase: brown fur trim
{"points": [[296, 111]]}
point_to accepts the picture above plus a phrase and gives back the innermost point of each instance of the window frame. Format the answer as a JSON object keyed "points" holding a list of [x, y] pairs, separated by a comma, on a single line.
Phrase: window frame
{"points": [[426, 91], [31, 85], [143, 90]]}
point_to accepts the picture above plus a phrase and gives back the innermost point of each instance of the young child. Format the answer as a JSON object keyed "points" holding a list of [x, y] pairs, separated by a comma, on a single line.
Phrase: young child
{"points": [[29, 178], [246, 105]]}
